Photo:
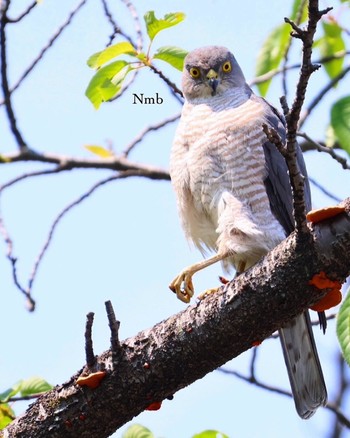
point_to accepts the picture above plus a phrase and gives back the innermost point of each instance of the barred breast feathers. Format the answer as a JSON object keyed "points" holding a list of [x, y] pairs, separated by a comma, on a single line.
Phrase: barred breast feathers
{"points": [[217, 168]]}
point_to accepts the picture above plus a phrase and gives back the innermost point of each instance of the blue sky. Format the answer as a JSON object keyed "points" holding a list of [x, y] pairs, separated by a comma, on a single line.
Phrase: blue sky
{"points": [[125, 243]]}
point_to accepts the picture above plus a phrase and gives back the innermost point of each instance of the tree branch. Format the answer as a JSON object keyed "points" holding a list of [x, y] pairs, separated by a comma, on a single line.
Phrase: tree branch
{"points": [[65, 163], [4, 78], [293, 115], [159, 361]]}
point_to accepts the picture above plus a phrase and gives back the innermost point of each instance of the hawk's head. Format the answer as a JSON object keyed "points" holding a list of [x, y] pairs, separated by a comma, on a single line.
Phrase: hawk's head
{"points": [[210, 71]]}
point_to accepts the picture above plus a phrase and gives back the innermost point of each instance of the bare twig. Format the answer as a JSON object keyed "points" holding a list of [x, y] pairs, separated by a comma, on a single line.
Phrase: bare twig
{"points": [[321, 94], [137, 23], [271, 74], [114, 328], [4, 80], [30, 303], [117, 30], [69, 207], [8, 241], [175, 91], [89, 350], [252, 379], [286, 54], [293, 115], [324, 191], [28, 175], [24, 13], [320, 148], [343, 385], [64, 163], [147, 130], [50, 43]]}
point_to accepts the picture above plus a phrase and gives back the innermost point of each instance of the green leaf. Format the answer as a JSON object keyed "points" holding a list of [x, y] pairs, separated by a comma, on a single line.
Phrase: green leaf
{"points": [[100, 58], [100, 151], [172, 55], [331, 43], [6, 395], [153, 25], [210, 434], [6, 415], [137, 431], [107, 82], [343, 328], [34, 385], [295, 10], [340, 121], [271, 54]]}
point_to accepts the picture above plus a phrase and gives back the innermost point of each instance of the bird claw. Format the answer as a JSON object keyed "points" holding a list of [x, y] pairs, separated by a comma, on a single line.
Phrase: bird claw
{"points": [[182, 286], [207, 292]]}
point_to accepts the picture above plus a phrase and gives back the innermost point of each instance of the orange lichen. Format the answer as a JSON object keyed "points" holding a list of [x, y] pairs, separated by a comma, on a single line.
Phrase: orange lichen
{"points": [[93, 380], [256, 343], [155, 406], [321, 214], [333, 297]]}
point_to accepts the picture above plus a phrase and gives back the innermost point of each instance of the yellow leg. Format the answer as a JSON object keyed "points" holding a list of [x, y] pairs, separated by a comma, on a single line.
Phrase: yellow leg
{"points": [[182, 284]]}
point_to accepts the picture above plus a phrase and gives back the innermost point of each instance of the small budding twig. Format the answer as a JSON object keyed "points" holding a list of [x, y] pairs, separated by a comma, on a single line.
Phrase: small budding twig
{"points": [[293, 115], [114, 327], [89, 350]]}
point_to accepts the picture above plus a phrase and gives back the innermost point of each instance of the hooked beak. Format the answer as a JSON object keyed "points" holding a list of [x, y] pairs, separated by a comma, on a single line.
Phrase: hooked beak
{"points": [[213, 81]]}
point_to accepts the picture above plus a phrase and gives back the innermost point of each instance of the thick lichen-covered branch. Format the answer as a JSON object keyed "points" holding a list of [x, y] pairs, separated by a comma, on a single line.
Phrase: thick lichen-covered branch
{"points": [[158, 362]]}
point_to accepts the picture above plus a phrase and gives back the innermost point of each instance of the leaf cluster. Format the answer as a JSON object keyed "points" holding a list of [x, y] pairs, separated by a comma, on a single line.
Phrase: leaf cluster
{"points": [[111, 74]]}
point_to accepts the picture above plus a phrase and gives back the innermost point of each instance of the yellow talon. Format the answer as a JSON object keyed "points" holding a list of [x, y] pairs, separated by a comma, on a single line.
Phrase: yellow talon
{"points": [[208, 292], [182, 286]]}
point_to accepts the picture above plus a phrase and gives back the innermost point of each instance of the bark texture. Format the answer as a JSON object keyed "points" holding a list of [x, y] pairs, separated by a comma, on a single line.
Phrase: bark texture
{"points": [[157, 362]]}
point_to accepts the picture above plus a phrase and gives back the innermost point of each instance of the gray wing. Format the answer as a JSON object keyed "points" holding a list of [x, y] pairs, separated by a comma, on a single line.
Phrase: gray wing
{"points": [[297, 340], [277, 182]]}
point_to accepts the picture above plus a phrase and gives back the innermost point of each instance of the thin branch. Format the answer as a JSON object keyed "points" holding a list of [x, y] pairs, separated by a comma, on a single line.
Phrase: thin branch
{"points": [[286, 53], [343, 385], [252, 380], [24, 13], [45, 48], [24, 176], [30, 303], [312, 105], [137, 23], [147, 130], [4, 80], [324, 191], [256, 382], [328, 150], [9, 243], [64, 163], [293, 115], [69, 207], [272, 73], [117, 30], [174, 90]]}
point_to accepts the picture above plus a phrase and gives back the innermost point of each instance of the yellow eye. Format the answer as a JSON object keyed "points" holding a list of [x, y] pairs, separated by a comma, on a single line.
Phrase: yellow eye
{"points": [[194, 72], [227, 67]]}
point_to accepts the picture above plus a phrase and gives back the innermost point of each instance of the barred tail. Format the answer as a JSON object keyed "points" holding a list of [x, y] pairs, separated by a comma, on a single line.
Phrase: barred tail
{"points": [[303, 365]]}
